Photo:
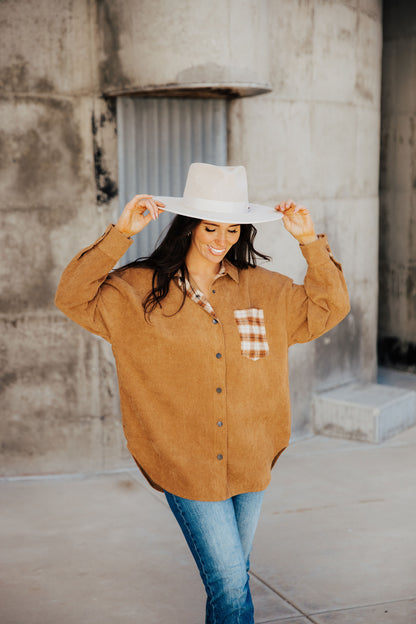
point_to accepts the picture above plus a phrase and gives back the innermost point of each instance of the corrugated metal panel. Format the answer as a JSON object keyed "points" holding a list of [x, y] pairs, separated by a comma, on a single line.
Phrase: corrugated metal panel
{"points": [[158, 138]]}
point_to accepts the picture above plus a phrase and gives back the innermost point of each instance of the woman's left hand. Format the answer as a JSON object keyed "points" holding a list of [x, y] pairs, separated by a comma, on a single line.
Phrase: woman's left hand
{"points": [[297, 221]]}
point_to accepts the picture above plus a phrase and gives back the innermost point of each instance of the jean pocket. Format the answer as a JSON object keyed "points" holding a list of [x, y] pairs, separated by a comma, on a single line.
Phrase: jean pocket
{"points": [[252, 331]]}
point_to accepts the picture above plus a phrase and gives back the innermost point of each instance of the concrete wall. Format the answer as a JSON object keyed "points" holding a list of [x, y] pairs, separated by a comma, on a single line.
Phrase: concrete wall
{"points": [[147, 44], [59, 409], [397, 307], [314, 138]]}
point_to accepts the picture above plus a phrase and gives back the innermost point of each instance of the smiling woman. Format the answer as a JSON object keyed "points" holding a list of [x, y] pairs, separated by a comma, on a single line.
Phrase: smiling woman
{"points": [[200, 335], [210, 244]]}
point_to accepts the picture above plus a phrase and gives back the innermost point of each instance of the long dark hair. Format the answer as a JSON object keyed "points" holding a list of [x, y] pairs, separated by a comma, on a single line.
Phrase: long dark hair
{"points": [[169, 258]]}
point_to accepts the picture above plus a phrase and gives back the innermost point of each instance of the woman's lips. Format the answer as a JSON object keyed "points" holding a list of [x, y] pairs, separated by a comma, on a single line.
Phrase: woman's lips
{"points": [[216, 252]]}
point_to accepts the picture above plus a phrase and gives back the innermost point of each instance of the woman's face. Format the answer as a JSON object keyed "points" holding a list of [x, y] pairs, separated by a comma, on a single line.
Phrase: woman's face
{"points": [[212, 240]]}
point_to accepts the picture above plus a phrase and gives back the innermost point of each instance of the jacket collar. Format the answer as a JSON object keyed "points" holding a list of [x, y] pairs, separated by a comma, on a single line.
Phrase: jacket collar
{"points": [[226, 268], [230, 270]]}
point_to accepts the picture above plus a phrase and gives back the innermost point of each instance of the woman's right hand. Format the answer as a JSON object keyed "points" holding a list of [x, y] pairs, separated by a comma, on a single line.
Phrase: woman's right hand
{"points": [[132, 220]]}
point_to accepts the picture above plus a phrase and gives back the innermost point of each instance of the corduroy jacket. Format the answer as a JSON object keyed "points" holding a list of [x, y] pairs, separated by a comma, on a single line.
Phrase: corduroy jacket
{"points": [[202, 420]]}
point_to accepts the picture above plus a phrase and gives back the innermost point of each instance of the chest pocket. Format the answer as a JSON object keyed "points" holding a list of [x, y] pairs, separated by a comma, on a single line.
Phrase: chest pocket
{"points": [[252, 330]]}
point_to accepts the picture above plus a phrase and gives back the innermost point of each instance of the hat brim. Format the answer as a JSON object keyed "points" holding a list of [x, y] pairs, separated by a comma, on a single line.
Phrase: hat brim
{"points": [[256, 213]]}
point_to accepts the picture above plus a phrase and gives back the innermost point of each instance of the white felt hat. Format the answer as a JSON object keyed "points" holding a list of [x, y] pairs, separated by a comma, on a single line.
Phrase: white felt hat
{"points": [[219, 194]]}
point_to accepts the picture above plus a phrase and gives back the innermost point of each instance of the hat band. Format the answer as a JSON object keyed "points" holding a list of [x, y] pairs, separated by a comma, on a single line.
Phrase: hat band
{"points": [[212, 205]]}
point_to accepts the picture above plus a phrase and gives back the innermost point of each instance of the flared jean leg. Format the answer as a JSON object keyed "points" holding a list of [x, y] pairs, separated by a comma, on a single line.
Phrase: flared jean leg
{"points": [[220, 535]]}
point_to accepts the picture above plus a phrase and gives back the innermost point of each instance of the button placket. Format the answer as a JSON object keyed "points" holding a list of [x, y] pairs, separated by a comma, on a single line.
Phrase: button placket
{"points": [[220, 412]]}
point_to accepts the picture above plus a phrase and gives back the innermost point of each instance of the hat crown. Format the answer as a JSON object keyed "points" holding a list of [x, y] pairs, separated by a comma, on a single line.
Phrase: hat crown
{"points": [[217, 184], [219, 194]]}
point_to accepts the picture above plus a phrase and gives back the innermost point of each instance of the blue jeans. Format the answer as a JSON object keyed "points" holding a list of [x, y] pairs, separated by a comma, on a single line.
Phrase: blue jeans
{"points": [[220, 535]]}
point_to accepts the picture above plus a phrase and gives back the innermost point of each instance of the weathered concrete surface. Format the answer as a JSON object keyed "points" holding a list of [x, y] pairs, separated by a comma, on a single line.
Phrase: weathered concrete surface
{"points": [[366, 412], [315, 138], [58, 397], [333, 545], [46, 48], [47, 143], [397, 308], [144, 44], [58, 174]]}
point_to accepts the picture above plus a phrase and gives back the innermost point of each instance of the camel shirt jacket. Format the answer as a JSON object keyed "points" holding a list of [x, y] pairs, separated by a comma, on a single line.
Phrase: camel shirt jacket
{"points": [[202, 418]]}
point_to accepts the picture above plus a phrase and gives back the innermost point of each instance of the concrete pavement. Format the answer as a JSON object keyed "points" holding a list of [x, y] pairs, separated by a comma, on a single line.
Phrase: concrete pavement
{"points": [[335, 544]]}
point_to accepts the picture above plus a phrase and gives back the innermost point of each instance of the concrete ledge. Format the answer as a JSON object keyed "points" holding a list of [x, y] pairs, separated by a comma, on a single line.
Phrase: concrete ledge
{"points": [[194, 90], [365, 412]]}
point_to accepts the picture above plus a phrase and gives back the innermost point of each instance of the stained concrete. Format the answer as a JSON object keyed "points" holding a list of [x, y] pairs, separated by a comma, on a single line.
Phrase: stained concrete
{"points": [[144, 44], [366, 412], [60, 399], [47, 142], [333, 545], [58, 176], [46, 50], [322, 150]]}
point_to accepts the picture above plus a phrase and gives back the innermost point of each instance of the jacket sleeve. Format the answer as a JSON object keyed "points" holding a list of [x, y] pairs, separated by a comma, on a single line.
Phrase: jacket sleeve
{"points": [[79, 294], [322, 301]]}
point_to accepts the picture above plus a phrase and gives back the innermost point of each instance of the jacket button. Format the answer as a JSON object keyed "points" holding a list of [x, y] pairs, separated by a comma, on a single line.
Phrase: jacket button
{"points": [[215, 321], [218, 356], [219, 456], [219, 390], [219, 423], [213, 292]]}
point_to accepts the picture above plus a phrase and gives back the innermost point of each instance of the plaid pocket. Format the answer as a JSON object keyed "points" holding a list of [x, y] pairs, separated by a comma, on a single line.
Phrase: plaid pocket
{"points": [[252, 330]]}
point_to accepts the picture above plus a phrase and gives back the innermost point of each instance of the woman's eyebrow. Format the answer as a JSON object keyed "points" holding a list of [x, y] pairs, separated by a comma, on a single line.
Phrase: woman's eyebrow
{"points": [[216, 224]]}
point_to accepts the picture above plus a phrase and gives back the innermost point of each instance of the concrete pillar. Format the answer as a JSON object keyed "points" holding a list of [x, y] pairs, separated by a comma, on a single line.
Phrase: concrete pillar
{"points": [[397, 304], [315, 138], [59, 410]]}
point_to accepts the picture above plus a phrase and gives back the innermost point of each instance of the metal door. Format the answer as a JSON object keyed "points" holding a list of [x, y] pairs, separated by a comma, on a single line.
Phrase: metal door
{"points": [[158, 138]]}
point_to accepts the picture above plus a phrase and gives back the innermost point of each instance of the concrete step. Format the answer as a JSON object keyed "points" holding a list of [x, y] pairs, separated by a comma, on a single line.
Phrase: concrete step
{"points": [[367, 412], [391, 377]]}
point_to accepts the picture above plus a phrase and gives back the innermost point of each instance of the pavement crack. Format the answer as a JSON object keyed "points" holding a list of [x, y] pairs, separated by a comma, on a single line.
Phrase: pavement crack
{"points": [[364, 606], [283, 597]]}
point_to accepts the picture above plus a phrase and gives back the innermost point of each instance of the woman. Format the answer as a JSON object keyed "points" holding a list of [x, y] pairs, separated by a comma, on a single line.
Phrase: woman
{"points": [[200, 336]]}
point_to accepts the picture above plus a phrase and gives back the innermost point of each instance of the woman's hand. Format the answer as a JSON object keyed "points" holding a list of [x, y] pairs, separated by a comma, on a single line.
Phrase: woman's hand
{"points": [[132, 220], [297, 221]]}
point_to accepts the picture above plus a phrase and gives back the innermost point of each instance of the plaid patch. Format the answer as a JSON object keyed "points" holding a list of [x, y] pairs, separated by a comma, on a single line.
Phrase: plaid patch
{"points": [[250, 324], [197, 296]]}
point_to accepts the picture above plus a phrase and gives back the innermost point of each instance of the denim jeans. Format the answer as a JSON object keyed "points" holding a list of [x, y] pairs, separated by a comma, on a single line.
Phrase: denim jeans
{"points": [[220, 535]]}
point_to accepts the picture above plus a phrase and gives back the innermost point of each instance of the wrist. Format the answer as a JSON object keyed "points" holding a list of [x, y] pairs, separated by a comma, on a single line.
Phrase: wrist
{"points": [[123, 231], [305, 240]]}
